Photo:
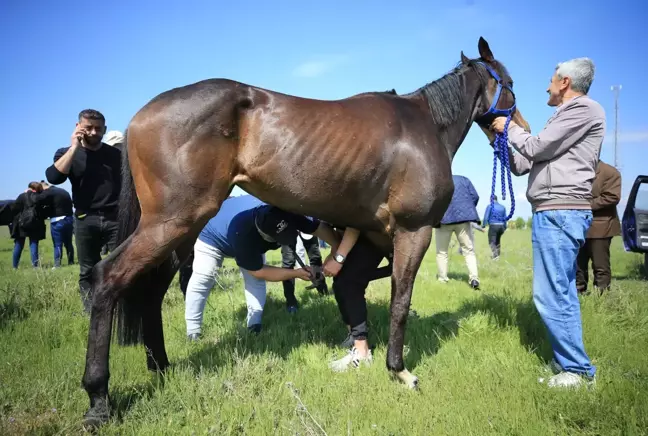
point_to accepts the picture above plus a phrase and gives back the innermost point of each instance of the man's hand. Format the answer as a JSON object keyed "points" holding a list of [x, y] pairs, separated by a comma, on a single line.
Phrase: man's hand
{"points": [[78, 137], [499, 123], [331, 267], [304, 274]]}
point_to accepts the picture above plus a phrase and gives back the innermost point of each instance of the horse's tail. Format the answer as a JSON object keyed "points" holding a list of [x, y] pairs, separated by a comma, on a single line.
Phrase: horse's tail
{"points": [[129, 307]]}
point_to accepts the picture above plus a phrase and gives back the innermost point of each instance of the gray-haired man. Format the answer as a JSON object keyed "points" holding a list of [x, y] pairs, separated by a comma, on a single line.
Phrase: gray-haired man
{"points": [[561, 161]]}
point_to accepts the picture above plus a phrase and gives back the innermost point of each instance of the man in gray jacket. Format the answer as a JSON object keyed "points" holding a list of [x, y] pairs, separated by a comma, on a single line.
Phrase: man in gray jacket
{"points": [[561, 162]]}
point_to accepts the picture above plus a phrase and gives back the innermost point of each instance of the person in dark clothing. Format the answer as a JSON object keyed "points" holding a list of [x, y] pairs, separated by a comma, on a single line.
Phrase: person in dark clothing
{"points": [[114, 138], [606, 195], [288, 260], [353, 264], [459, 219], [59, 211], [495, 218], [94, 171], [185, 273], [6, 215], [28, 202]]}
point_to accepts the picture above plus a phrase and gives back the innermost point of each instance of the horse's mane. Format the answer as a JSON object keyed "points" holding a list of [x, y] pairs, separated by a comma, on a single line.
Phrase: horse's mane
{"points": [[445, 96]]}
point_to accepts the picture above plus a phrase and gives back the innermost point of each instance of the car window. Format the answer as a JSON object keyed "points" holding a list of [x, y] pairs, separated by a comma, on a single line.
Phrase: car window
{"points": [[642, 197]]}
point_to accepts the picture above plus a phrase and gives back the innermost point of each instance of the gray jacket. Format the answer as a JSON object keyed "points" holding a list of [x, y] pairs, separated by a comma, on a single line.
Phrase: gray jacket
{"points": [[561, 160]]}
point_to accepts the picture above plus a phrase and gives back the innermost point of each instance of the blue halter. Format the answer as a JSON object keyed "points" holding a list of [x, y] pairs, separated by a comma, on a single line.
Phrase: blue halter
{"points": [[493, 108], [500, 145]]}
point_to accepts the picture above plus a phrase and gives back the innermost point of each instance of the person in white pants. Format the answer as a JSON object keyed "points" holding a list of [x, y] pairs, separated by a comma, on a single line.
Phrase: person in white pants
{"points": [[245, 229], [459, 219]]}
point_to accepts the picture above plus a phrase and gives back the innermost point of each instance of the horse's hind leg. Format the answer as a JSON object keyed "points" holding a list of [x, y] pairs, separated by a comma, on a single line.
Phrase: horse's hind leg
{"points": [[153, 332], [409, 250], [150, 245]]}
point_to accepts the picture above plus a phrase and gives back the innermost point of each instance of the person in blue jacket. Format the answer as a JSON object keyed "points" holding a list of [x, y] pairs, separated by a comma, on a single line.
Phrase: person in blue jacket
{"points": [[458, 219], [495, 219]]}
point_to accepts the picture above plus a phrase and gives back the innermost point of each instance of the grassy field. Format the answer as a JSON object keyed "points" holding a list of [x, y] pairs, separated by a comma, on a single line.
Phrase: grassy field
{"points": [[478, 355]]}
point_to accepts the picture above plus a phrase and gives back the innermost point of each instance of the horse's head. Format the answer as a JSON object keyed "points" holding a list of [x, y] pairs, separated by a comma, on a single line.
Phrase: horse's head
{"points": [[497, 98]]}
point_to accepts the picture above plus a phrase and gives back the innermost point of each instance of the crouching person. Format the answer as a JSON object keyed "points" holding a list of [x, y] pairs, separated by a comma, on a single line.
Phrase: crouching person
{"points": [[245, 229]]}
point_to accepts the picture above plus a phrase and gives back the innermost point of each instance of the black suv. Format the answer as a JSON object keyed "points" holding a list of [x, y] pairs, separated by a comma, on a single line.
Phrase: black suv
{"points": [[635, 220]]}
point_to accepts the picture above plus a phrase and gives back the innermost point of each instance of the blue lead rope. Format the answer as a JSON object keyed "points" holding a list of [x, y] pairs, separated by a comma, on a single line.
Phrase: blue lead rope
{"points": [[501, 152]]}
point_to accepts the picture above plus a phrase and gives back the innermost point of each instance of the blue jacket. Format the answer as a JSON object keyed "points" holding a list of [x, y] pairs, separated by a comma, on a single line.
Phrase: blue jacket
{"points": [[495, 215], [463, 205]]}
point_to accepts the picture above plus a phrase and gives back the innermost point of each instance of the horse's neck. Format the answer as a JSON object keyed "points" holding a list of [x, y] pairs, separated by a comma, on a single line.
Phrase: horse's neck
{"points": [[454, 134]]}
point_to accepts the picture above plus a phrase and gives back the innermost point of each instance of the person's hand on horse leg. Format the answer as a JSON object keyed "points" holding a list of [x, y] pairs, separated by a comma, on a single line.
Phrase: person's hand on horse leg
{"points": [[304, 274], [319, 280]]}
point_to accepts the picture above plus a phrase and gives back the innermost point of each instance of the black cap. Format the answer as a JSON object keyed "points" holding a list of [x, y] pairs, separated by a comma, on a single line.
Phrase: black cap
{"points": [[276, 224]]}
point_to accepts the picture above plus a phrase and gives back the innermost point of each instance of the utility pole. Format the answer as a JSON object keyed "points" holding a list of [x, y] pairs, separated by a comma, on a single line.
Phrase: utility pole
{"points": [[616, 89]]}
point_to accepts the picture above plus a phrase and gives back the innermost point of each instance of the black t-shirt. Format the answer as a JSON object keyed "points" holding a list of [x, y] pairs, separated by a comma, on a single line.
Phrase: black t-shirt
{"points": [[95, 177]]}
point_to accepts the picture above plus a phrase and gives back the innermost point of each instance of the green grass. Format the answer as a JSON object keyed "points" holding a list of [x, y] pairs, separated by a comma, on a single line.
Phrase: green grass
{"points": [[478, 356]]}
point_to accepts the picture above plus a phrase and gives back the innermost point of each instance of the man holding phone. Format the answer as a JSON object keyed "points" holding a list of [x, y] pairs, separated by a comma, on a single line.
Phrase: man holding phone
{"points": [[94, 171]]}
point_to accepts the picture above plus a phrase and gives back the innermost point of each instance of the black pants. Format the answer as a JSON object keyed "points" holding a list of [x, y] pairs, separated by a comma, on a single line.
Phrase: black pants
{"points": [[351, 283], [495, 232], [92, 232], [598, 250], [288, 260], [185, 274]]}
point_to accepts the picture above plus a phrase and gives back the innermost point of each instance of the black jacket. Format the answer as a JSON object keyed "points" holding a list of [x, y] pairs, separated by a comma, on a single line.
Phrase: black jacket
{"points": [[57, 201], [21, 202], [6, 214]]}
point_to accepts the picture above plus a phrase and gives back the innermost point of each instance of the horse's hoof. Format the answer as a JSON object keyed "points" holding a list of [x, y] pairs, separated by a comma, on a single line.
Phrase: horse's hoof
{"points": [[404, 376], [96, 417]]}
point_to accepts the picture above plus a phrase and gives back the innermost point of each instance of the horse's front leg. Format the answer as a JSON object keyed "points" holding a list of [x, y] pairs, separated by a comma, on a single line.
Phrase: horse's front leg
{"points": [[409, 250]]}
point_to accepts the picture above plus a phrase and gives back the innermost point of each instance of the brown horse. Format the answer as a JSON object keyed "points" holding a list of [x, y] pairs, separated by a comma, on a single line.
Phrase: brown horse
{"points": [[379, 162]]}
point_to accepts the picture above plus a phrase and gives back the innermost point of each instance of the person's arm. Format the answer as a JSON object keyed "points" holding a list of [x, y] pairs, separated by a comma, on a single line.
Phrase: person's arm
{"points": [[326, 233], [333, 267], [275, 274], [473, 193], [58, 172], [610, 192], [486, 216], [569, 126], [518, 163]]}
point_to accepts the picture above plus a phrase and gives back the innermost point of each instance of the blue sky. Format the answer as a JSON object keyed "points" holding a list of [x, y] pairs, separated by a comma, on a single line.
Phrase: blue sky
{"points": [[61, 57]]}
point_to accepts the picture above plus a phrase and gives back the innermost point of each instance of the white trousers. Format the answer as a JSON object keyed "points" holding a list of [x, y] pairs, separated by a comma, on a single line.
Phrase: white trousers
{"points": [[207, 263], [464, 233]]}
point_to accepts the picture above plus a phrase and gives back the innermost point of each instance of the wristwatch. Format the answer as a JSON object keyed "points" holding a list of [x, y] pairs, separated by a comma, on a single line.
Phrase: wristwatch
{"points": [[339, 258]]}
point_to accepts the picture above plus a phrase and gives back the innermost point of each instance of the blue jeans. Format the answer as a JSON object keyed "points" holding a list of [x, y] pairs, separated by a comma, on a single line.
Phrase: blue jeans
{"points": [[62, 231], [557, 237], [19, 244]]}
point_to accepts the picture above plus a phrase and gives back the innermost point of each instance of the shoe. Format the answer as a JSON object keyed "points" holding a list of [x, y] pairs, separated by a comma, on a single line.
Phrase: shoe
{"points": [[348, 342], [292, 309], [194, 337], [255, 328], [443, 280], [351, 360], [474, 283], [570, 380], [496, 258]]}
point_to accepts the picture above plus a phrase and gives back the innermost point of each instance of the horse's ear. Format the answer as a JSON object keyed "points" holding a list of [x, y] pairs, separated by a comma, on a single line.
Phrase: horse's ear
{"points": [[485, 51], [464, 58]]}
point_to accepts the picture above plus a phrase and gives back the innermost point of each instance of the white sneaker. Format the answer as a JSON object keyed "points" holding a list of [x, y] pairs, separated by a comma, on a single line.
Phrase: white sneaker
{"points": [[351, 360], [570, 380]]}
